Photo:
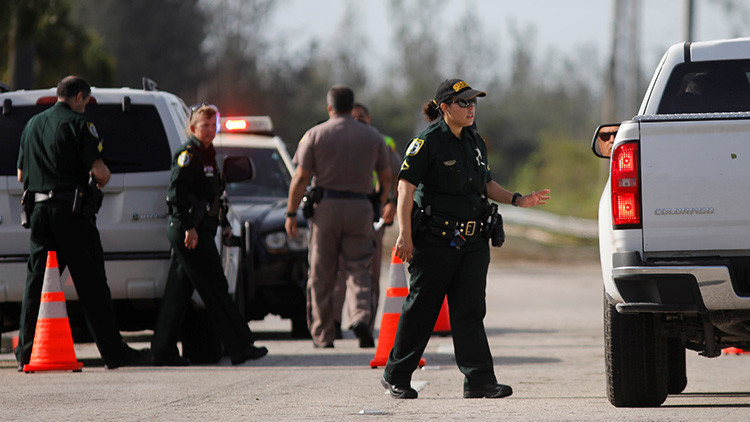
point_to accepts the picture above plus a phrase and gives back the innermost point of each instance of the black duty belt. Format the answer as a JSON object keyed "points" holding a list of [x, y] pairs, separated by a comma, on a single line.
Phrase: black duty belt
{"points": [[447, 227], [60, 195], [342, 194]]}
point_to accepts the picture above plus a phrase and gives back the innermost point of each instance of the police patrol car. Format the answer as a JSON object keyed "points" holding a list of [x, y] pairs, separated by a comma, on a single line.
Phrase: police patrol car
{"points": [[140, 129], [273, 267]]}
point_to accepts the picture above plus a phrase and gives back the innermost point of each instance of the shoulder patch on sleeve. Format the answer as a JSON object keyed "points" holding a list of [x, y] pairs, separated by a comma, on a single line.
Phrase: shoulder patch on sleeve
{"points": [[184, 158], [92, 130], [415, 146]]}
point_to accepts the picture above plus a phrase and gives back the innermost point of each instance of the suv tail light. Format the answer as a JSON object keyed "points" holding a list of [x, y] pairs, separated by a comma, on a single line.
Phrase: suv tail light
{"points": [[50, 100], [626, 193]]}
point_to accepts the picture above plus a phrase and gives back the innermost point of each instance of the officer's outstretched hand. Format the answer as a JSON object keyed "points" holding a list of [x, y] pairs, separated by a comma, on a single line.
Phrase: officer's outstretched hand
{"points": [[191, 238], [533, 199]]}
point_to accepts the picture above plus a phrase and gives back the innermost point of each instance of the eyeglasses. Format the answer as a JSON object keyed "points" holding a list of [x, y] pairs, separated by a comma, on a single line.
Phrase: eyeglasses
{"points": [[604, 136], [196, 107], [465, 103]]}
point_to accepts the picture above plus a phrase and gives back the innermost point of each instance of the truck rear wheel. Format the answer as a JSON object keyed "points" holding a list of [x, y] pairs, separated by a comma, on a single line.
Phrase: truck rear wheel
{"points": [[636, 359], [677, 366]]}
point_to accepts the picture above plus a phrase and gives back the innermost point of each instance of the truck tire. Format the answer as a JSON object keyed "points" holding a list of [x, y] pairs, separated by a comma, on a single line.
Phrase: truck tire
{"points": [[636, 359], [677, 367], [200, 342]]}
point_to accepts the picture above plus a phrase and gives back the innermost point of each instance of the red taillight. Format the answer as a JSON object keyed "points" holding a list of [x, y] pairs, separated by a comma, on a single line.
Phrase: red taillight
{"points": [[46, 100], [626, 196], [53, 100]]}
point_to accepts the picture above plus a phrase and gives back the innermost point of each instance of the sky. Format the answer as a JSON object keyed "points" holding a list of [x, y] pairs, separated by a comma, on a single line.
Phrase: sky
{"points": [[563, 25]]}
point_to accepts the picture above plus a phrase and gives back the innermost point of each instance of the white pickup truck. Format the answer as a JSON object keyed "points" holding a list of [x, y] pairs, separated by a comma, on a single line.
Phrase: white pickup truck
{"points": [[674, 222]]}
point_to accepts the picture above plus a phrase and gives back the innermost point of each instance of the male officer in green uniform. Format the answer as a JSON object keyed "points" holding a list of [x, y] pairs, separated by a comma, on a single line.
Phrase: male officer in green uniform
{"points": [[60, 149], [193, 197]]}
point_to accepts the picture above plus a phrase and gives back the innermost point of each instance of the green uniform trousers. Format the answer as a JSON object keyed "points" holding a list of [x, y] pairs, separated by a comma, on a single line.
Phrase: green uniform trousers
{"points": [[197, 269], [78, 246], [437, 270]]}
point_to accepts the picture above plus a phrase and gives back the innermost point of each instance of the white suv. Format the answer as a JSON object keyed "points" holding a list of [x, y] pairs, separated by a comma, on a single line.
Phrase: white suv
{"points": [[140, 130]]}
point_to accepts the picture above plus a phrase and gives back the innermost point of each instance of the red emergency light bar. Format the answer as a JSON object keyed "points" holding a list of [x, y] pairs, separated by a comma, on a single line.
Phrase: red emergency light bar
{"points": [[235, 124], [247, 124]]}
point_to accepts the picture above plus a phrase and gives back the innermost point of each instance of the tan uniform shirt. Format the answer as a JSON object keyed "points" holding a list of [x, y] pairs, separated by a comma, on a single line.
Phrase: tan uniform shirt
{"points": [[341, 153]]}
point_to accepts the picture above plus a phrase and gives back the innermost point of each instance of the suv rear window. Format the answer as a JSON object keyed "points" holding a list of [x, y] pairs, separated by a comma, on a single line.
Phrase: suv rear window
{"points": [[707, 87], [271, 175], [134, 141]]}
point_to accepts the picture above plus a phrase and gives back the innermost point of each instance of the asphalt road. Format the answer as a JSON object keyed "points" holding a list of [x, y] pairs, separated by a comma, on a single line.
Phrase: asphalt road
{"points": [[545, 328]]}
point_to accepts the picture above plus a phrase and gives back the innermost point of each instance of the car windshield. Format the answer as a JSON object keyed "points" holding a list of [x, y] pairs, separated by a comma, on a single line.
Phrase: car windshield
{"points": [[271, 175]]}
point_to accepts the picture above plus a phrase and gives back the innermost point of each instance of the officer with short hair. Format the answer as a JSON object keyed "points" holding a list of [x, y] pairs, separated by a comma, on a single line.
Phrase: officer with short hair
{"points": [[60, 149], [341, 153], [348, 293]]}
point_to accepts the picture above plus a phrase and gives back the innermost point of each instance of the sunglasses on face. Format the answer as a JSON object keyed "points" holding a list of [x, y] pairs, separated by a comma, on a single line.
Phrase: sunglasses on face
{"points": [[465, 103], [604, 136]]}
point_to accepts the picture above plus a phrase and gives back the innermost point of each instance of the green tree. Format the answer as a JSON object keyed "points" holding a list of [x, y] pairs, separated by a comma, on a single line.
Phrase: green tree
{"points": [[344, 51], [243, 80], [568, 169], [159, 39], [40, 43], [411, 81]]}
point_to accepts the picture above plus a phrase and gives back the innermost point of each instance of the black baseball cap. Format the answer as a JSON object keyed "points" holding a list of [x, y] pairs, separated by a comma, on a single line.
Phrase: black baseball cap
{"points": [[451, 89]]}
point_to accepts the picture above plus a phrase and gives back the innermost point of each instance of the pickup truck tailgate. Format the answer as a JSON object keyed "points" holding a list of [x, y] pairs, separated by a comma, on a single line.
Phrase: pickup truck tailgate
{"points": [[695, 187]]}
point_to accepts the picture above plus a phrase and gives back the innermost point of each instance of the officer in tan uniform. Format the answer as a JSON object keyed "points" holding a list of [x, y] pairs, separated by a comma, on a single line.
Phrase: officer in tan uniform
{"points": [[341, 155], [347, 293]]}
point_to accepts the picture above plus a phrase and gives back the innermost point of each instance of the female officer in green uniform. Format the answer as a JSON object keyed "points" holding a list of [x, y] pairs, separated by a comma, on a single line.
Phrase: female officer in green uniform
{"points": [[193, 198], [445, 171]]}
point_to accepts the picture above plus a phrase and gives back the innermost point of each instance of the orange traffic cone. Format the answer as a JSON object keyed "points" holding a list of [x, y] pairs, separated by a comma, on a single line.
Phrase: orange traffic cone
{"points": [[52, 349], [443, 323], [734, 351], [394, 301]]}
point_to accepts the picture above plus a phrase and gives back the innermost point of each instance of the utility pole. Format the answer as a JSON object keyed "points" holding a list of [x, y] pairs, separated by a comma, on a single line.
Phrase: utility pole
{"points": [[609, 112], [689, 22], [632, 89], [622, 80]]}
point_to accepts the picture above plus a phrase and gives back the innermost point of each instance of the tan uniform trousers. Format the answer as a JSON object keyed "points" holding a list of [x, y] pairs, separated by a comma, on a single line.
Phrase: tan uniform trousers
{"points": [[341, 237], [346, 293]]}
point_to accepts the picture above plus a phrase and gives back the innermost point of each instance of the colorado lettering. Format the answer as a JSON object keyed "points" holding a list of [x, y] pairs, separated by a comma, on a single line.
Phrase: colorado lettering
{"points": [[683, 211]]}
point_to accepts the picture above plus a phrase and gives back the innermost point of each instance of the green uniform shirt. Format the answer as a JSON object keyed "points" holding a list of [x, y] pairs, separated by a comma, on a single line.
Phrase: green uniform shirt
{"points": [[57, 149], [195, 177], [451, 174]]}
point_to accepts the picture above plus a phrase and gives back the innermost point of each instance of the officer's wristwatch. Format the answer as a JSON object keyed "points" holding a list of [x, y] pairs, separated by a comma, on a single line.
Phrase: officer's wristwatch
{"points": [[515, 198], [290, 214]]}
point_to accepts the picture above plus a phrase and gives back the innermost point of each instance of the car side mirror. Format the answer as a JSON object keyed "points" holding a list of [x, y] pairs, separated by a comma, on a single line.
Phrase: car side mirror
{"points": [[238, 169], [604, 138]]}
